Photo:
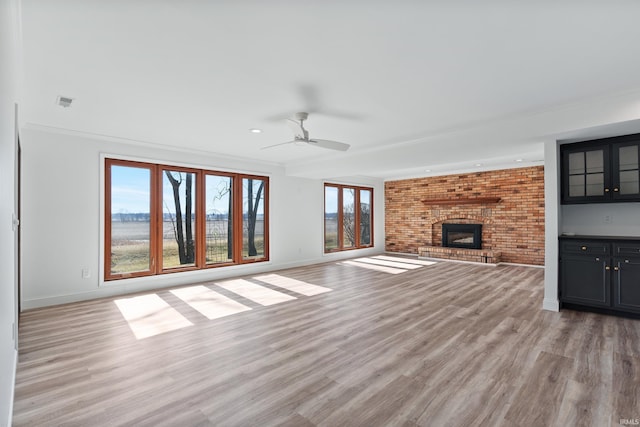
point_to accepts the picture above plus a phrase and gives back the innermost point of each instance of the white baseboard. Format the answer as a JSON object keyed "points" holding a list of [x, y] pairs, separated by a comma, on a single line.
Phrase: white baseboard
{"points": [[13, 387], [551, 304], [516, 264]]}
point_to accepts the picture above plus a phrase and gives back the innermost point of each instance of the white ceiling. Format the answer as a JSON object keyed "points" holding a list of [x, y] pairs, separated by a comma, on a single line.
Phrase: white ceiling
{"points": [[411, 85]]}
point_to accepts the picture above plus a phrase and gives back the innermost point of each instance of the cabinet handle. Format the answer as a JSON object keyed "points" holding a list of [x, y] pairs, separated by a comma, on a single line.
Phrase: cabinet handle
{"points": [[607, 268], [584, 248], [606, 190], [616, 189]]}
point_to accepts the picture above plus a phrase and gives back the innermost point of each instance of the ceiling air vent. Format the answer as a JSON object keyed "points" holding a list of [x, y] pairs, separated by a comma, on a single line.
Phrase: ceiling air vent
{"points": [[64, 101]]}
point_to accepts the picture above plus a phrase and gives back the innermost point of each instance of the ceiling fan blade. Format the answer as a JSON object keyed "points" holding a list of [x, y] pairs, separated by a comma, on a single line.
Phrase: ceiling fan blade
{"points": [[275, 145], [331, 145]]}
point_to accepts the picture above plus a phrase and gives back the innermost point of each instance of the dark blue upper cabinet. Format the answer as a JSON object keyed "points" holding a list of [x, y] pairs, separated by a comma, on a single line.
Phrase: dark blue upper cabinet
{"points": [[599, 171]]}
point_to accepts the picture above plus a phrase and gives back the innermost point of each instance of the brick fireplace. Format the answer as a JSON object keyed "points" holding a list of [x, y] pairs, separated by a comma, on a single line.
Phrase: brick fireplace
{"points": [[509, 204]]}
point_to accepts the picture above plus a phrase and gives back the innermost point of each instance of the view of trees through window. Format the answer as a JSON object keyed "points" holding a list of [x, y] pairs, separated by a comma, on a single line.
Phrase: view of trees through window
{"points": [[252, 214], [219, 217], [179, 219], [347, 217], [203, 219]]}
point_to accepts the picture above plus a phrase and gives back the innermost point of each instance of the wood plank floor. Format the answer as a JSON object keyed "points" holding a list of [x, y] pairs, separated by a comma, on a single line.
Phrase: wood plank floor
{"points": [[446, 344]]}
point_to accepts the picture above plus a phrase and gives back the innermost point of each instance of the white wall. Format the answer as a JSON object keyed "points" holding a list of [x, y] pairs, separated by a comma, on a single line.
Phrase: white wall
{"points": [[8, 98], [551, 225], [62, 227], [602, 219]]}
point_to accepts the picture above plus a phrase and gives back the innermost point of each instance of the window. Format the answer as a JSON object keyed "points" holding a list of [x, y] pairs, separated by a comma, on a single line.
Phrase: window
{"points": [[179, 232], [253, 231], [219, 219], [129, 221], [348, 220], [161, 219]]}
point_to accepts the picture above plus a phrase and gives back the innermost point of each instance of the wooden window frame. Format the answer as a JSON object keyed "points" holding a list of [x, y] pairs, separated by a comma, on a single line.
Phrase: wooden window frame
{"points": [[340, 218], [156, 219], [108, 219], [234, 208], [238, 207]]}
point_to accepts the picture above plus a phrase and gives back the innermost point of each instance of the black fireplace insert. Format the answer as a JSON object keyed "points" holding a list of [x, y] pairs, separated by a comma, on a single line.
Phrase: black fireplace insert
{"points": [[468, 236]]}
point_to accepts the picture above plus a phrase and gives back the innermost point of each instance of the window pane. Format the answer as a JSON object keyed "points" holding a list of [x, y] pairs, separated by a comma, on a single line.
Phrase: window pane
{"points": [[178, 219], [365, 217], [253, 231], [330, 218], [348, 217], [219, 206], [130, 219]]}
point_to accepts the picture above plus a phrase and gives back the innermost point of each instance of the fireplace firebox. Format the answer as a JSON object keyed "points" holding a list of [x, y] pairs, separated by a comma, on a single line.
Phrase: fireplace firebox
{"points": [[467, 236]]}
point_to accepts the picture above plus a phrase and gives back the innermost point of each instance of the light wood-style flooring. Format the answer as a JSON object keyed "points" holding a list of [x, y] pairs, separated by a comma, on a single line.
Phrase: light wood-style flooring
{"points": [[447, 344]]}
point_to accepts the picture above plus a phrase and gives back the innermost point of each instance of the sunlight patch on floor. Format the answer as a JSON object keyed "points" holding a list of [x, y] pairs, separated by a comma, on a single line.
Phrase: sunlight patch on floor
{"points": [[404, 260], [149, 315], [209, 303], [297, 286], [255, 292], [387, 263], [381, 268]]}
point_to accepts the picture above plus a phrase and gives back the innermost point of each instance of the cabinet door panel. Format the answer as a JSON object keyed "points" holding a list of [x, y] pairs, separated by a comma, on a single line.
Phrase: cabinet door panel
{"points": [[585, 173], [626, 170], [585, 280], [627, 284]]}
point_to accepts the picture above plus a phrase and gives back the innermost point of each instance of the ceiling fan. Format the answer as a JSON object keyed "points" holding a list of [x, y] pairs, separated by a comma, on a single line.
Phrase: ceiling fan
{"points": [[302, 136]]}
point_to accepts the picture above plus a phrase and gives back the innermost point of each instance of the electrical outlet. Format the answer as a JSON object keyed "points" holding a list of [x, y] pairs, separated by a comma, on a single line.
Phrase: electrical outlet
{"points": [[607, 219], [86, 273]]}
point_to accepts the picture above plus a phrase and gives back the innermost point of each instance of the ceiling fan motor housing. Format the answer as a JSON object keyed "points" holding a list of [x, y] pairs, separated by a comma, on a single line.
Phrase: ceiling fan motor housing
{"points": [[302, 116]]}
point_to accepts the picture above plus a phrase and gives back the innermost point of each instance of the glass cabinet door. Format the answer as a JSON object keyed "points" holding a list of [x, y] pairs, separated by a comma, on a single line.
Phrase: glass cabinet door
{"points": [[626, 173], [586, 174]]}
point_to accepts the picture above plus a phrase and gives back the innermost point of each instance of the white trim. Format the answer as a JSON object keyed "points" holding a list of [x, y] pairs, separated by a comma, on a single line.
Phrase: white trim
{"points": [[550, 304], [156, 161], [146, 144], [551, 224], [14, 368], [515, 264]]}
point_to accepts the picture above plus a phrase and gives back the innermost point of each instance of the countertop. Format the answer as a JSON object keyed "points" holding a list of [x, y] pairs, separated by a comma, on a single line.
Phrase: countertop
{"points": [[586, 237]]}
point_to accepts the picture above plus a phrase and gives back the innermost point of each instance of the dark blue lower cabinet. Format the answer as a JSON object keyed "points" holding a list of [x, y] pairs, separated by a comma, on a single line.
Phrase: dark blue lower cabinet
{"points": [[600, 273], [626, 289]]}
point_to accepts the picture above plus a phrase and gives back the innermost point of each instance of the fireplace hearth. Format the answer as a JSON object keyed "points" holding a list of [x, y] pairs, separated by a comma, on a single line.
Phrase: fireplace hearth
{"points": [[466, 236]]}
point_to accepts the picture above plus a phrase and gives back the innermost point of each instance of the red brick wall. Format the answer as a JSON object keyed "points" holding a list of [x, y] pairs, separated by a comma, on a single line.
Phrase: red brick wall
{"points": [[513, 226]]}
